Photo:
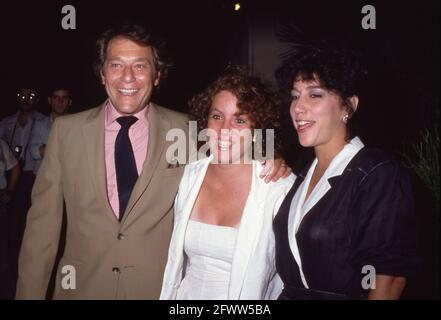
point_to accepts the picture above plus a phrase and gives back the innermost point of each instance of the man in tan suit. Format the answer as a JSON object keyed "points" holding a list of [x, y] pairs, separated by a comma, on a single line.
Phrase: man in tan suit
{"points": [[109, 254], [116, 184]]}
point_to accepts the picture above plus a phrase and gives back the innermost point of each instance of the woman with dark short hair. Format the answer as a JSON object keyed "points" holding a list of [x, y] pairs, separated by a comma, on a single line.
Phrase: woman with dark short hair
{"points": [[346, 230]]}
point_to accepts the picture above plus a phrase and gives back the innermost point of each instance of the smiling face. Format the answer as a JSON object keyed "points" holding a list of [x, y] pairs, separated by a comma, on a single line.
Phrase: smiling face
{"points": [[232, 129], [317, 115], [129, 75]]}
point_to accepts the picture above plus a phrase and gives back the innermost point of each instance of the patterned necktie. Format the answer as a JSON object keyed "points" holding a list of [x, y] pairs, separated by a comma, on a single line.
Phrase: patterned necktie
{"points": [[125, 164]]}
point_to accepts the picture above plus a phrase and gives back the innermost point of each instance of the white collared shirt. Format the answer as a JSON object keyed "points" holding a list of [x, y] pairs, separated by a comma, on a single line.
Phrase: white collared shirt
{"points": [[299, 208]]}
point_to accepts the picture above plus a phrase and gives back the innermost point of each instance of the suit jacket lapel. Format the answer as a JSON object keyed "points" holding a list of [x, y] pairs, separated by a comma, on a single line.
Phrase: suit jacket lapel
{"points": [[158, 127], [93, 135], [182, 216]]}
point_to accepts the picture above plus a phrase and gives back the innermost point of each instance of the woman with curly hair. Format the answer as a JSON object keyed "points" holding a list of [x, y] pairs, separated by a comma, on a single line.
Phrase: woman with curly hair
{"points": [[346, 230], [222, 245]]}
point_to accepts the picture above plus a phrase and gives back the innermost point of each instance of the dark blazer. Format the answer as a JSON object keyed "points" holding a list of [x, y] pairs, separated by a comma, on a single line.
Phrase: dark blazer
{"points": [[366, 218]]}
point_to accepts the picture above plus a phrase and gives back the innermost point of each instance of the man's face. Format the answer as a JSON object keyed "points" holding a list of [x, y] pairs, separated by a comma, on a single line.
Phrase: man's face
{"points": [[26, 99], [60, 101], [129, 75]]}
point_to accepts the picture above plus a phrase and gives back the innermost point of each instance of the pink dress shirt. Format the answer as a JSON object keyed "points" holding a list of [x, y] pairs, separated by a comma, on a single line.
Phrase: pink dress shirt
{"points": [[138, 134]]}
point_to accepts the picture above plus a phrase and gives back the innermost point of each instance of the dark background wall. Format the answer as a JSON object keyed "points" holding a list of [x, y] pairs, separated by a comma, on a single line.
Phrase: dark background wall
{"points": [[401, 96]]}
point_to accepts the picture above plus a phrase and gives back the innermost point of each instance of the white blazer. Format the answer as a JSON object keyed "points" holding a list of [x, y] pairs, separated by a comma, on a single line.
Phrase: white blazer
{"points": [[253, 272]]}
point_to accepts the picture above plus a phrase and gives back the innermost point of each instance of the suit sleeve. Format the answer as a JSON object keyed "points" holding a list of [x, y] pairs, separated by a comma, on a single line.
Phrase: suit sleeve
{"points": [[40, 242]]}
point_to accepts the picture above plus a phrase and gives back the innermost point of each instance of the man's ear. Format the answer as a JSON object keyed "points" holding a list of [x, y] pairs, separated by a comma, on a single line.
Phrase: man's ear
{"points": [[158, 77], [49, 100], [103, 82], [354, 102]]}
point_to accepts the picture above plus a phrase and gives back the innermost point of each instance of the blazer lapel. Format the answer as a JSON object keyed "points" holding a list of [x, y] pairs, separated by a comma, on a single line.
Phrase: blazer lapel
{"points": [[250, 225], [295, 217], [93, 135], [319, 191], [332, 174], [158, 127], [199, 172], [182, 216]]}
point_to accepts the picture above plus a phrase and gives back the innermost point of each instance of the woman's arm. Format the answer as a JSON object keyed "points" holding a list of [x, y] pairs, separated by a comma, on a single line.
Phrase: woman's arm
{"points": [[387, 288], [386, 229]]}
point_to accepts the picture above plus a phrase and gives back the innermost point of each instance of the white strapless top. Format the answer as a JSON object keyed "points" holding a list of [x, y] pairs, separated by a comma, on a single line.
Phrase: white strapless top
{"points": [[209, 251]]}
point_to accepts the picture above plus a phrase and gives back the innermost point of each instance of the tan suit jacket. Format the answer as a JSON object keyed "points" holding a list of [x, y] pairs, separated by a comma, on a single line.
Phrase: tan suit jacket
{"points": [[111, 260]]}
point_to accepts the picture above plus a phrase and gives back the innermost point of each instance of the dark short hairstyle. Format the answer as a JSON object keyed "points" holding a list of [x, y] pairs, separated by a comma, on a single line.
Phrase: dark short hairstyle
{"points": [[337, 68], [255, 98], [59, 86], [140, 35]]}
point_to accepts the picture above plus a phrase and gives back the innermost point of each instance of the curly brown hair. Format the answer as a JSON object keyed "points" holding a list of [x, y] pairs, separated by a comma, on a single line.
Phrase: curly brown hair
{"points": [[255, 98]]}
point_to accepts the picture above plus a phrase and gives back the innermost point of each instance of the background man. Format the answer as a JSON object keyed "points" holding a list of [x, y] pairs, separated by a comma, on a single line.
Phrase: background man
{"points": [[59, 101], [17, 131]]}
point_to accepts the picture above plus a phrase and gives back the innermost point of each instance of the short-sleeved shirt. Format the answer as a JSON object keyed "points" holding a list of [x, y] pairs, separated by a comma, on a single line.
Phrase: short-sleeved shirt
{"points": [[14, 135], [7, 162], [40, 136]]}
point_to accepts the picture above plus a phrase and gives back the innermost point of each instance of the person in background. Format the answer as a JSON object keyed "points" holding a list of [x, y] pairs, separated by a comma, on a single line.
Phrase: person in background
{"points": [[17, 129], [9, 174], [59, 100]]}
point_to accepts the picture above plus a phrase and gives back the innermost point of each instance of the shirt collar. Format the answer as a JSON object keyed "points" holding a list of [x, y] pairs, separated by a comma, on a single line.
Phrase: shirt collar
{"points": [[112, 114], [342, 159]]}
